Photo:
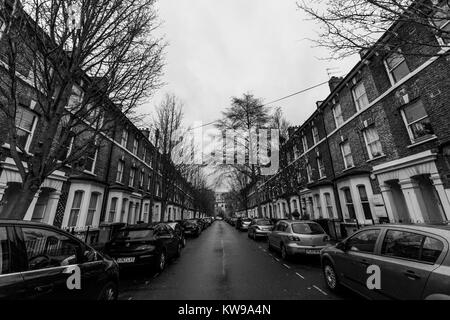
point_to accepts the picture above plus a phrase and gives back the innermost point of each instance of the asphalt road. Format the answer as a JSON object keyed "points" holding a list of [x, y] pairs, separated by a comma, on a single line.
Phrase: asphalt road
{"points": [[223, 264]]}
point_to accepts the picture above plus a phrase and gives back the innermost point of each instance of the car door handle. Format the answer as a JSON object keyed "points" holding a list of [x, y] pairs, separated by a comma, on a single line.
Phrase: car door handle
{"points": [[365, 263], [44, 288], [411, 275]]}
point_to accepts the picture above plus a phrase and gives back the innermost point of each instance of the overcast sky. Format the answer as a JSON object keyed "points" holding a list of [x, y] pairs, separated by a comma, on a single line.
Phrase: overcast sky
{"points": [[219, 49]]}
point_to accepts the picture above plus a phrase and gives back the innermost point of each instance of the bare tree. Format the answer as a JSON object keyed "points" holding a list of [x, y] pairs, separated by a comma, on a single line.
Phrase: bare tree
{"points": [[82, 62], [350, 26], [280, 123]]}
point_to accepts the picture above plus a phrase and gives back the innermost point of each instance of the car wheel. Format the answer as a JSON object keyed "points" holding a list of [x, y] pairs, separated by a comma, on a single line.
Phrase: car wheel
{"points": [[109, 292], [161, 262], [331, 279]]}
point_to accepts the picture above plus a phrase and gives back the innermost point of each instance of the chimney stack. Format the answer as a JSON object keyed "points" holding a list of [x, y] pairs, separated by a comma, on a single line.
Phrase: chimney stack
{"points": [[334, 82]]}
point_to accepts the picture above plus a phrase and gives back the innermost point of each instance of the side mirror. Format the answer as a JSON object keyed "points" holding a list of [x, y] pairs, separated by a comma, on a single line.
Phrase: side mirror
{"points": [[341, 246]]}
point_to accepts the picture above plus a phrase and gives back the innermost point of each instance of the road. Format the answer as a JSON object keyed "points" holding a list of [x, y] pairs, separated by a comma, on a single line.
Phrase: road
{"points": [[223, 264]]}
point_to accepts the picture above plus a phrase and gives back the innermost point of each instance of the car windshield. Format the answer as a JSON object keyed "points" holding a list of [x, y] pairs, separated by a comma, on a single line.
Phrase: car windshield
{"points": [[263, 223], [307, 228], [130, 234]]}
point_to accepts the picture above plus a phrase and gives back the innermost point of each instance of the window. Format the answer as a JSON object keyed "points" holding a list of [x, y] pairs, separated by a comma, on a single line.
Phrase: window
{"points": [[441, 22], [401, 244], [141, 178], [76, 99], [396, 67], [132, 176], [412, 246], [149, 184], [92, 208], [123, 210], [124, 140], [347, 155], [329, 205], [349, 203], [135, 146], [363, 241], [431, 250], [417, 122], [318, 205], [365, 202], [337, 114], [90, 160], [120, 167], [315, 133], [76, 207], [305, 143], [144, 156], [360, 96], [309, 172], [112, 210], [25, 123], [49, 249], [4, 248], [146, 212], [321, 167], [373, 142], [296, 152]]}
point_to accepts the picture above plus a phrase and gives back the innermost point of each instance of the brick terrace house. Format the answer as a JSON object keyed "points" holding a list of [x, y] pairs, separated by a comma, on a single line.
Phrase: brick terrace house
{"points": [[119, 181], [376, 149]]}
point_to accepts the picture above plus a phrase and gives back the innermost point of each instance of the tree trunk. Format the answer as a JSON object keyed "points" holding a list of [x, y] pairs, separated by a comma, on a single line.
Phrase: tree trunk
{"points": [[17, 207]]}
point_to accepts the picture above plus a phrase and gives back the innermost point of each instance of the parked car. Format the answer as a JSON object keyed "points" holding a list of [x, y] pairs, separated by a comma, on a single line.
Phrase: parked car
{"points": [[414, 262], [145, 245], [242, 224], [35, 259], [259, 228], [294, 237], [233, 221], [191, 228], [179, 231]]}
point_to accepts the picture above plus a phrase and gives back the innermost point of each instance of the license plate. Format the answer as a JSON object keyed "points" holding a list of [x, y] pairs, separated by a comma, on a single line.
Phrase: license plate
{"points": [[312, 251], [125, 260]]}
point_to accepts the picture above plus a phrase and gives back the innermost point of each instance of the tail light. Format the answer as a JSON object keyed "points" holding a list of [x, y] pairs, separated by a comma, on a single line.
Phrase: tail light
{"points": [[294, 238]]}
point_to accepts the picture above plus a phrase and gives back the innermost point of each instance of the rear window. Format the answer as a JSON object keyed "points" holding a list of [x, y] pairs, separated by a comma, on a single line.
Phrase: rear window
{"points": [[264, 223], [135, 234], [307, 228]]}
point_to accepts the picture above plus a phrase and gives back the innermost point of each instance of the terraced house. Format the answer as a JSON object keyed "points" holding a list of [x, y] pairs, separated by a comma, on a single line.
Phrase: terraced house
{"points": [[377, 147], [118, 179]]}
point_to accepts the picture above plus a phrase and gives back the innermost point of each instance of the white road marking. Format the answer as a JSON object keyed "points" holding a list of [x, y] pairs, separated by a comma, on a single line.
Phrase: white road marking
{"points": [[320, 290], [277, 259], [130, 298], [155, 275], [286, 266], [223, 258], [300, 275]]}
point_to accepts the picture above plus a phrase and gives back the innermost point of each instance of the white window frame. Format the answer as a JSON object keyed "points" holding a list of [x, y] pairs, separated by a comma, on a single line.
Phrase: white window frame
{"points": [[119, 179], [149, 185], [124, 138], [135, 146], [132, 177], [335, 117], [90, 209], [305, 143], [366, 141], [315, 134], [113, 209], [389, 70], [33, 129], [309, 172], [344, 156], [75, 209], [322, 174], [141, 178], [94, 162], [408, 128], [439, 39], [356, 99]]}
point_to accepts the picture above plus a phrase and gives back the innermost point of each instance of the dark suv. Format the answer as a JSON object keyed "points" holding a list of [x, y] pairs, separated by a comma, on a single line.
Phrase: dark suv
{"points": [[37, 261]]}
